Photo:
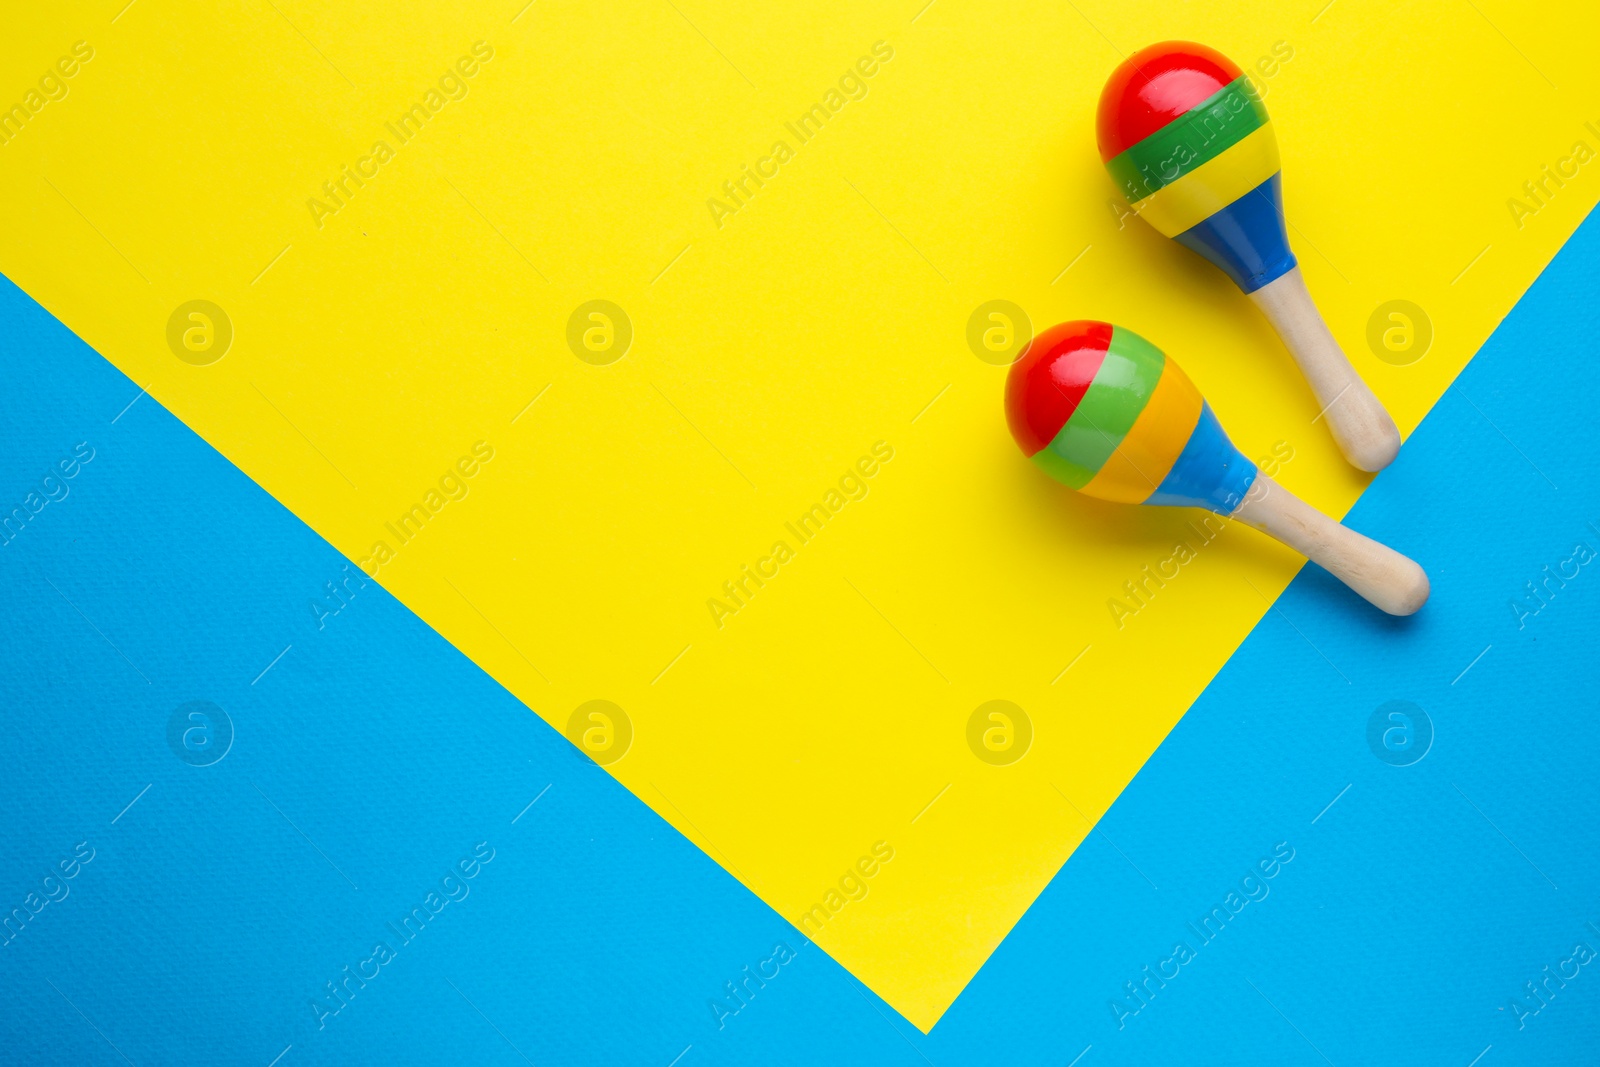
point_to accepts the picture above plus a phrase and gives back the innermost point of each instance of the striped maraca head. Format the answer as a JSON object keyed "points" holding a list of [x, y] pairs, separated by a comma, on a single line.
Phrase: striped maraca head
{"points": [[1187, 140], [1105, 411]]}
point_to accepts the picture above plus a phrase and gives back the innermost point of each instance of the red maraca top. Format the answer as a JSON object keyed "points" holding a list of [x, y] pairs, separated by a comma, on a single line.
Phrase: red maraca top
{"points": [[1153, 87], [1045, 386]]}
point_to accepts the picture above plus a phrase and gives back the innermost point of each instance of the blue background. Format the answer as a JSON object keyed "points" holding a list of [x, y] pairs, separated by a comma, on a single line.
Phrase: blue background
{"points": [[372, 756]]}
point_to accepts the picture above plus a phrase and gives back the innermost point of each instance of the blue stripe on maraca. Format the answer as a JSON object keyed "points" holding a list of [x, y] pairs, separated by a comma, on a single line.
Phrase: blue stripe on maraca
{"points": [[1209, 473], [1246, 238]]}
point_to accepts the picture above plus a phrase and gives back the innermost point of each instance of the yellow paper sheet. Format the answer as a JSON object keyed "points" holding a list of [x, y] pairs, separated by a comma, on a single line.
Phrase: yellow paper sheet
{"points": [[783, 329]]}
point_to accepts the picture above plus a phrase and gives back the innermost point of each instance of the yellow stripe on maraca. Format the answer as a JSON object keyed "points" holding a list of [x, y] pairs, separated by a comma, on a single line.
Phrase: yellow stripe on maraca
{"points": [[1213, 185], [1145, 455]]}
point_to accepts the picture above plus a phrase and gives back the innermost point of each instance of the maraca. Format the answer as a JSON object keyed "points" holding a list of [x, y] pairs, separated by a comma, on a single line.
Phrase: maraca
{"points": [[1187, 139], [1105, 411]]}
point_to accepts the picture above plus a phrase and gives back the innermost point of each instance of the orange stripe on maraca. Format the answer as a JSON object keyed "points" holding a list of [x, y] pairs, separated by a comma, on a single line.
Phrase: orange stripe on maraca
{"points": [[1147, 452]]}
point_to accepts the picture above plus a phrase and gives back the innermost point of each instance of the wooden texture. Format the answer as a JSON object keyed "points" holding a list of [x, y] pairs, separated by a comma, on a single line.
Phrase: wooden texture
{"points": [[1390, 581], [1366, 434]]}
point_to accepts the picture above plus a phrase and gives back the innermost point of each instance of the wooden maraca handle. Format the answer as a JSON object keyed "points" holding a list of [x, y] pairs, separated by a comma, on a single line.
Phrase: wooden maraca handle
{"points": [[1388, 580], [1366, 434]]}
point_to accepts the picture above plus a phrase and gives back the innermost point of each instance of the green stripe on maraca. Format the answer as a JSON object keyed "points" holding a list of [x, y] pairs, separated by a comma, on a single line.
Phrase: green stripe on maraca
{"points": [[1190, 141], [1122, 387]]}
